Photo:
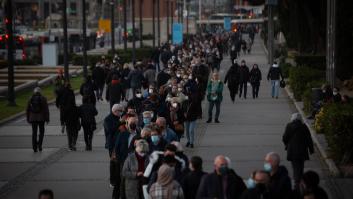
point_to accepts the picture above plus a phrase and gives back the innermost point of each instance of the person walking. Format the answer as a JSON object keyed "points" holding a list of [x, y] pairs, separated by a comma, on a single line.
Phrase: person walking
{"points": [[136, 78], [87, 90], [275, 74], [37, 113], [255, 79], [115, 91], [191, 181], [166, 187], [192, 112], [232, 80], [133, 169], [298, 144], [72, 123], [222, 183], [98, 77], [87, 114], [214, 96], [243, 79]]}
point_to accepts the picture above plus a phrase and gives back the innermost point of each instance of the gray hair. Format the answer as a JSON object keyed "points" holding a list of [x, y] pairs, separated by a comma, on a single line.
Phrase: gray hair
{"points": [[37, 90], [274, 157], [117, 107], [296, 116]]}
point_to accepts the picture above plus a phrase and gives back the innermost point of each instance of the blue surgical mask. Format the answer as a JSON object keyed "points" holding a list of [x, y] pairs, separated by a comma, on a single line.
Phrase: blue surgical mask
{"points": [[155, 139], [267, 167], [250, 183], [146, 120], [223, 170]]}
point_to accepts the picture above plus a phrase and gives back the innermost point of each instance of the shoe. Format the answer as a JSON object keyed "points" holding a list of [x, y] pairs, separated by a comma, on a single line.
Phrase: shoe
{"points": [[74, 148], [35, 150], [216, 121], [40, 149], [209, 121], [188, 144], [277, 97], [191, 145], [111, 186], [63, 129], [87, 148]]}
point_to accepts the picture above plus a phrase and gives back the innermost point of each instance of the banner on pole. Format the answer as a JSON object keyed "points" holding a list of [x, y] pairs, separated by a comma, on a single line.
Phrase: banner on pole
{"points": [[177, 33], [105, 25], [227, 23]]}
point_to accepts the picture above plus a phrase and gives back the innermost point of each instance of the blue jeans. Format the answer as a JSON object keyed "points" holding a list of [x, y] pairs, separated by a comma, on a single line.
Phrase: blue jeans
{"points": [[190, 131], [275, 88], [210, 109]]}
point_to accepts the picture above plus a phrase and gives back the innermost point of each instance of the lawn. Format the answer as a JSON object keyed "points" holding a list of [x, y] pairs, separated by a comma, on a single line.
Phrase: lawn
{"points": [[23, 96]]}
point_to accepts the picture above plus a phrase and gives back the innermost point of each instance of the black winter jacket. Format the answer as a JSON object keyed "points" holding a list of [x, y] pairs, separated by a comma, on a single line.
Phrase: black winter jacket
{"points": [[274, 73], [280, 184], [87, 114]]}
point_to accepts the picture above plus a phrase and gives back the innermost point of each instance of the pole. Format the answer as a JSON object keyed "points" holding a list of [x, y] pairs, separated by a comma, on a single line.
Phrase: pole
{"points": [[133, 33], [187, 20], [154, 22], [49, 24], [112, 24], [125, 24], [10, 58], [172, 18], [168, 30], [140, 15], [66, 52], [84, 36], [158, 23], [270, 34], [200, 14], [331, 42]]}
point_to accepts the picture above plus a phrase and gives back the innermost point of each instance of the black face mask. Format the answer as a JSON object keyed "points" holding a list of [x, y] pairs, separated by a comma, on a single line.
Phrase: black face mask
{"points": [[133, 126], [261, 187]]}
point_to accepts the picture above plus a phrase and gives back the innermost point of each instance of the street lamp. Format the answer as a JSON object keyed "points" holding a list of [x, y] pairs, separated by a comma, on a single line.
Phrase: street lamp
{"points": [[10, 58], [153, 23], [140, 15], [66, 53], [125, 24], [112, 3], [168, 30], [159, 23], [133, 32], [84, 38]]}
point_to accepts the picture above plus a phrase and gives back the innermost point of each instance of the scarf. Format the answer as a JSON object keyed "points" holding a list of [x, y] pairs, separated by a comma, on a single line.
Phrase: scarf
{"points": [[115, 81], [166, 179]]}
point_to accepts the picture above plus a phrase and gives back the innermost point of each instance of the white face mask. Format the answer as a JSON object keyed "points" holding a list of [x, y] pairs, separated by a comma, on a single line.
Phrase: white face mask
{"points": [[180, 89], [139, 95], [178, 75], [190, 77], [175, 105], [334, 93], [150, 90]]}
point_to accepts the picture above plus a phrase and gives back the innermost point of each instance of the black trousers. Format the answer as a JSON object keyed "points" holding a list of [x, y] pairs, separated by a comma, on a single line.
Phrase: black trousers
{"points": [[233, 91], [116, 180], [255, 89], [37, 143], [243, 85], [72, 135], [88, 134], [298, 170]]}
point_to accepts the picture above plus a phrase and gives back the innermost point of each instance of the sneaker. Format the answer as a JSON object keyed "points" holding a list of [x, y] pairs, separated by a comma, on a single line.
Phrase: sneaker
{"points": [[209, 121], [217, 121], [191, 145], [35, 150], [188, 144]]}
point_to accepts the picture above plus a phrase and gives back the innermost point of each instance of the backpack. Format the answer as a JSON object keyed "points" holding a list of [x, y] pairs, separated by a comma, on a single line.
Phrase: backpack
{"points": [[36, 104], [86, 90]]}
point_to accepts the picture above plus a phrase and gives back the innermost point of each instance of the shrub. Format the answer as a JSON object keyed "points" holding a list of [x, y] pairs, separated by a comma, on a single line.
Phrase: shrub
{"points": [[285, 69], [299, 77], [307, 94], [335, 121], [314, 61]]}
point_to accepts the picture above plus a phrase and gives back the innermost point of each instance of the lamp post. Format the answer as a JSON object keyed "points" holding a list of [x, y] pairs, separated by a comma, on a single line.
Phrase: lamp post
{"points": [[133, 32], [140, 15], [153, 23], [10, 58], [270, 31], [158, 23], [66, 53], [112, 24], [125, 24], [331, 42], [168, 30], [84, 38]]}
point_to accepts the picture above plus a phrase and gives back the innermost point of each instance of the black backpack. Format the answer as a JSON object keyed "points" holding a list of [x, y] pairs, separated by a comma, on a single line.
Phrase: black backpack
{"points": [[36, 104], [86, 90]]}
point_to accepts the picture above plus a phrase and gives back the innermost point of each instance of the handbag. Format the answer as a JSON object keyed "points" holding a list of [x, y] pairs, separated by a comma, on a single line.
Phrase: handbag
{"points": [[282, 83]]}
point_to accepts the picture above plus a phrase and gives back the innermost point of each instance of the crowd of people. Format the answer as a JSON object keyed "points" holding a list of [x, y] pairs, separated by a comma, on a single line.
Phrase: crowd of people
{"points": [[151, 110]]}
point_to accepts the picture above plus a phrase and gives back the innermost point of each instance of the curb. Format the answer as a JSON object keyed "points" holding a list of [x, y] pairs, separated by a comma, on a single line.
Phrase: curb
{"points": [[328, 161]]}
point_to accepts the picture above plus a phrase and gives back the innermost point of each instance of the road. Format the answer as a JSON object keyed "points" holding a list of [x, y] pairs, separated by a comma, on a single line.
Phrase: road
{"points": [[248, 130]]}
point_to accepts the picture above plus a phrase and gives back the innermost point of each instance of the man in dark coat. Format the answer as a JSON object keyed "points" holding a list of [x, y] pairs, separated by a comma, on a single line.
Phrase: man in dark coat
{"points": [[255, 79], [37, 113], [243, 78], [191, 181], [275, 74], [87, 114], [222, 183], [155, 58], [87, 90], [114, 92], [136, 78], [280, 184], [98, 77], [298, 143], [162, 78], [232, 80], [261, 189], [309, 186]]}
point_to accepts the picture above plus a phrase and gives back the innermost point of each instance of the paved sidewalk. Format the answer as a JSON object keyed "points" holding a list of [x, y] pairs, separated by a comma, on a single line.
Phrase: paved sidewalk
{"points": [[248, 130]]}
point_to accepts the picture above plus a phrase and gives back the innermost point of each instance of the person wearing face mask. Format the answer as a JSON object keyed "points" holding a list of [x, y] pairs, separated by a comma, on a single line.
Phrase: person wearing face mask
{"points": [[137, 102], [168, 134], [124, 144], [336, 96], [244, 75], [259, 187], [191, 181], [222, 183], [214, 96], [147, 118], [133, 169], [156, 141], [310, 184], [176, 118], [280, 183]]}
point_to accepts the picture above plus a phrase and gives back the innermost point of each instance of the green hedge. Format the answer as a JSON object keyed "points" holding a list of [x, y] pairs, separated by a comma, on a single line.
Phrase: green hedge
{"points": [[285, 67], [335, 121], [307, 94], [314, 61], [300, 77]]}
